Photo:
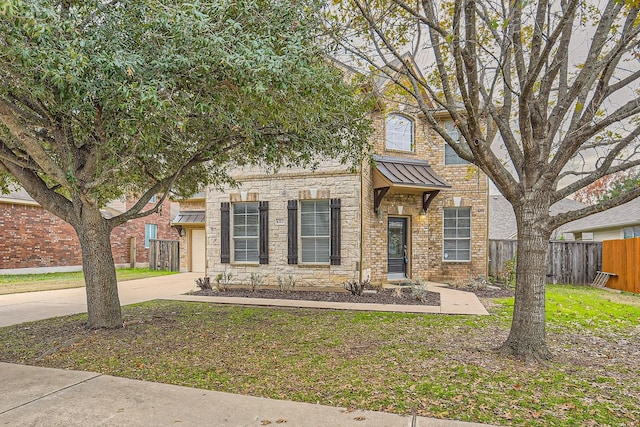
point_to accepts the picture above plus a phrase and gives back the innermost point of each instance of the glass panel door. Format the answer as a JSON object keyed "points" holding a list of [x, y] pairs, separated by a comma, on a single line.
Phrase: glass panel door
{"points": [[397, 258]]}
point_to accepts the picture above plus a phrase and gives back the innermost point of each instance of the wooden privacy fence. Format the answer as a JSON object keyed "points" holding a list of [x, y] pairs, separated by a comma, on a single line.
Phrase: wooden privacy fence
{"points": [[622, 257], [569, 262], [164, 255]]}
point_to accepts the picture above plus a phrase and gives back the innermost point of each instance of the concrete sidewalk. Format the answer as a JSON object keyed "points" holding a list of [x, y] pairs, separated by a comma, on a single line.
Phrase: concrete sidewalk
{"points": [[32, 396]]}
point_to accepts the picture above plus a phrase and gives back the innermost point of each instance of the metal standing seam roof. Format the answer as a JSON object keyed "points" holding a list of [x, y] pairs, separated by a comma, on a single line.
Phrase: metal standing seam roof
{"points": [[189, 217], [409, 172]]}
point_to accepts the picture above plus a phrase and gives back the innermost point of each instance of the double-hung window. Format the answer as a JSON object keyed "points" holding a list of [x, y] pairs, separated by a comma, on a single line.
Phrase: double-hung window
{"points": [[450, 156], [399, 133], [631, 232], [150, 232], [315, 231], [245, 232], [457, 234]]}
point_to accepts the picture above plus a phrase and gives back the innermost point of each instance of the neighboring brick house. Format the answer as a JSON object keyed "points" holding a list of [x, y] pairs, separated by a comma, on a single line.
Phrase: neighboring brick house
{"points": [[35, 240], [419, 212]]}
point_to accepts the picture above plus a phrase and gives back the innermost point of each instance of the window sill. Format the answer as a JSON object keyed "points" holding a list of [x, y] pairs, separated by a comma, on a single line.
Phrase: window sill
{"points": [[327, 265], [452, 261], [245, 264], [395, 150]]}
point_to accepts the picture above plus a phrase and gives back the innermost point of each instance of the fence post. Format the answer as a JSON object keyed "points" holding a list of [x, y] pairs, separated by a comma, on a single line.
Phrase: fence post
{"points": [[132, 251]]}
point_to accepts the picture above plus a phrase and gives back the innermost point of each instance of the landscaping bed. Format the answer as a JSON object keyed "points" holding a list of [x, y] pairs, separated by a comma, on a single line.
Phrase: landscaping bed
{"points": [[403, 296]]}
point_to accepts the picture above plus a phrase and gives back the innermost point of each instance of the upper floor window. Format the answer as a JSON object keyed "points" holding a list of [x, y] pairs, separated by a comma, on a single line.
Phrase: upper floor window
{"points": [[152, 199], [245, 232], [450, 156], [399, 133]]}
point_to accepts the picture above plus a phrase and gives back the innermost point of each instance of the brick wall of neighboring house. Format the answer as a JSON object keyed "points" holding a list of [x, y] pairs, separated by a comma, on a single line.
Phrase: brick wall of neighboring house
{"points": [[34, 238], [121, 236]]}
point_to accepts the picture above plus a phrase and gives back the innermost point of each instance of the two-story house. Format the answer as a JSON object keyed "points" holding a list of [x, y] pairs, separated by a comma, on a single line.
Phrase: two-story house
{"points": [[417, 211]]}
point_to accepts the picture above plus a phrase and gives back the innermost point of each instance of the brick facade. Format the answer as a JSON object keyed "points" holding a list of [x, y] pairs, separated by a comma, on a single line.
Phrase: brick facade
{"points": [[34, 238], [426, 231]]}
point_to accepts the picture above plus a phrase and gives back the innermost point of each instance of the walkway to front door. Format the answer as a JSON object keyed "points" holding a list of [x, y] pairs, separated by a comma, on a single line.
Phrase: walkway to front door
{"points": [[397, 257]]}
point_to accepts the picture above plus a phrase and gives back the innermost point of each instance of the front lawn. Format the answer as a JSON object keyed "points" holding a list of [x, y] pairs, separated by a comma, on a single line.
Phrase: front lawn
{"points": [[433, 365], [17, 283]]}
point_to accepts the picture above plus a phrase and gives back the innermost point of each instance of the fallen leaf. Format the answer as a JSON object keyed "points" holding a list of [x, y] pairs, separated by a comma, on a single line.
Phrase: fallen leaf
{"points": [[265, 422], [360, 418], [281, 421]]}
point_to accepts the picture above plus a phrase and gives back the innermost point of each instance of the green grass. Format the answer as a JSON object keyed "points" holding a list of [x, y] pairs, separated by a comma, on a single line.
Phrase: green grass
{"points": [[17, 283], [433, 365]]}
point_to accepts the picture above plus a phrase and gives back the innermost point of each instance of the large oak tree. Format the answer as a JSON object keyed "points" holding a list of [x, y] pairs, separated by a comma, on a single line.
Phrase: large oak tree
{"points": [[101, 99], [545, 95]]}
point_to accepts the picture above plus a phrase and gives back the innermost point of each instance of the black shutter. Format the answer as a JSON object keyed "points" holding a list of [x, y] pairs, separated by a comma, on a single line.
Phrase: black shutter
{"points": [[335, 232], [292, 232], [225, 251], [264, 232]]}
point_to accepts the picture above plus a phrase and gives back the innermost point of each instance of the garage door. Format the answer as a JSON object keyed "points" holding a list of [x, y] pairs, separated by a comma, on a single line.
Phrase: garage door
{"points": [[197, 250]]}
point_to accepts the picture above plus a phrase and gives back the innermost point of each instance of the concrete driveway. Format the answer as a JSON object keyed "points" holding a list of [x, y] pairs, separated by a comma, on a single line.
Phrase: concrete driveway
{"points": [[30, 306]]}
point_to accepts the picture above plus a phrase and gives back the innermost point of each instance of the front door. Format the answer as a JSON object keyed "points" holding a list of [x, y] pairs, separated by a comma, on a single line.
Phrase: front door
{"points": [[198, 257], [397, 258]]}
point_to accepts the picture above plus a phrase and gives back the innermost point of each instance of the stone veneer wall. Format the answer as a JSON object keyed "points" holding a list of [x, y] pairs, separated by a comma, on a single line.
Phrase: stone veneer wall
{"points": [[331, 180]]}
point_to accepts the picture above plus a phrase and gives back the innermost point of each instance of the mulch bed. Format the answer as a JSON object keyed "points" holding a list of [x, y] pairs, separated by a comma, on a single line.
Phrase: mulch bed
{"points": [[386, 296]]}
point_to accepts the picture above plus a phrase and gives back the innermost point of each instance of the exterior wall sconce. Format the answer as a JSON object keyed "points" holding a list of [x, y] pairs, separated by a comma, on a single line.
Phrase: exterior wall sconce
{"points": [[423, 213]]}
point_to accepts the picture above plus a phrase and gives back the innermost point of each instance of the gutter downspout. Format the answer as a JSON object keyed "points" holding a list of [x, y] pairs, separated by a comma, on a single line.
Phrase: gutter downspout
{"points": [[361, 223]]}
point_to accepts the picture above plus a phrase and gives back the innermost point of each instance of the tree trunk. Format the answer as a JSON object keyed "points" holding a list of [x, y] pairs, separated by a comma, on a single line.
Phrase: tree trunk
{"points": [[527, 337], [103, 304]]}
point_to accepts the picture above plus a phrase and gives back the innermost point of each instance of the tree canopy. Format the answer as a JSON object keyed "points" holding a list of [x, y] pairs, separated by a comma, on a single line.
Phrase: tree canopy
{"points": [[544, 94], [104, 99]]}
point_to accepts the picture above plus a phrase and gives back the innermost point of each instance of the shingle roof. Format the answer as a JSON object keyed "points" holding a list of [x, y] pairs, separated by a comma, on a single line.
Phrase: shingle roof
{"points": [[409, 172], [620, 216], [189, 217], [502, 220], [20, 194]]}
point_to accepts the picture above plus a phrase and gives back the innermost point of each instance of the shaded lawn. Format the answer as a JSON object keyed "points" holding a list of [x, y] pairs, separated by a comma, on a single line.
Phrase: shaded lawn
{"points": [[439, 366], [18, 283]]}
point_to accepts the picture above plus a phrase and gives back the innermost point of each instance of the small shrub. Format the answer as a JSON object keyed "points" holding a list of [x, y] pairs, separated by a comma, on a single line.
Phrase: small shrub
{"points": [[507, 275], [478, 283], [204, 283], [256, 280], [223, 280], [355, 287], [287, 283], [419, 290]]}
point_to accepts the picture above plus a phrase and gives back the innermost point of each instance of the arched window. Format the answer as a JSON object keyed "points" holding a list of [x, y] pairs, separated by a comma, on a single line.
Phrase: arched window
{"points": [[399, 134]]}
